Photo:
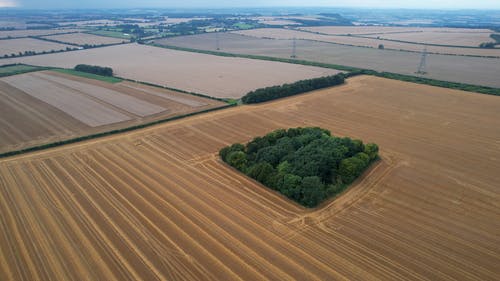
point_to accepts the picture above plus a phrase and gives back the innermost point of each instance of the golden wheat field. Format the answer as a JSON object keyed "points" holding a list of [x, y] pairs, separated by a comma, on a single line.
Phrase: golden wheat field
{"points": [[158, 204]]}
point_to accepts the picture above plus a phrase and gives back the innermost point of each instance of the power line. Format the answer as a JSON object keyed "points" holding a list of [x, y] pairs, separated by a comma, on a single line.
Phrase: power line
{"points": [[294, 48], [217, 41], [423, 63]]}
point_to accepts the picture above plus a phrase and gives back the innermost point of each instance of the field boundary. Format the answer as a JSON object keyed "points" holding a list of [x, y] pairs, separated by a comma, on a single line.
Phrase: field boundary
{"points": [[388, 75], [108, 133], [34, 68]]}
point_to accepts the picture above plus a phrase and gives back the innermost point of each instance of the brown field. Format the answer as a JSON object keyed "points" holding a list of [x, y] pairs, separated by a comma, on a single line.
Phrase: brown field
{"points": [[157, 204], [85, 38], [279, 33], [14, 46], [43, 107], [479, 71], [33, 32], [215, 76]]}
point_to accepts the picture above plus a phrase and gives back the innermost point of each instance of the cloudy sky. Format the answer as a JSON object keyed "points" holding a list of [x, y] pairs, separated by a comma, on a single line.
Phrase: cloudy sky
{"points": [[436, 4]]}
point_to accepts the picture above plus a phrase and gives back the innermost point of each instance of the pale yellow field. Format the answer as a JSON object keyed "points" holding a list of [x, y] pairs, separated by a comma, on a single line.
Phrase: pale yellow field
{"points": [[14, 46], [85, 38], [279, 33], [472, 39], [33, 32], [158, 204], [215, 76], [363, 30]]}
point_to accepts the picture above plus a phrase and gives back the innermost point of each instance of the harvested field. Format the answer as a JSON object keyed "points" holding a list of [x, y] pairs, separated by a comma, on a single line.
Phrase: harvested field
{"points": [[85, 38], [478, 71], [80, 107], [101, 22], [215, 76], [43, 107], [33, 32], [157, 204], [366, 30], [14, 46], [472, 39], [279, 33]]}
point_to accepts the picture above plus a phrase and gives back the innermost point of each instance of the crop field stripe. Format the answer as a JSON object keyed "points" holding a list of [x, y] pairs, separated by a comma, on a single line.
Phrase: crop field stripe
{"points": [[114, 98], [107, 133]]}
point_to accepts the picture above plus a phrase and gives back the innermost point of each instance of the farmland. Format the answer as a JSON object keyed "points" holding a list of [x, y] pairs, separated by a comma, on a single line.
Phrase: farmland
{"points": [[157, 204], [44, 107], [85, 39], [479, 71], [33, 32], [16, 46], [469, 39], [372, 30], [219, 77]]}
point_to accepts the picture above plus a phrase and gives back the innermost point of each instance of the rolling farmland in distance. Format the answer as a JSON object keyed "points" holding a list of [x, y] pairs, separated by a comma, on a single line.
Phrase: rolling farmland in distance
{"points": [[479, 71], [219, 77], [158, 204], [467, 40], [85, 38], [14, 46]]}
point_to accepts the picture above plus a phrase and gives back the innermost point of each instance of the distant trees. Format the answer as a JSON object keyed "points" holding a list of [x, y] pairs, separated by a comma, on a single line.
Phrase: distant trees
{"points": [[94, 69], [305, 164], [381, 46], [276, 92], [487, 45]]}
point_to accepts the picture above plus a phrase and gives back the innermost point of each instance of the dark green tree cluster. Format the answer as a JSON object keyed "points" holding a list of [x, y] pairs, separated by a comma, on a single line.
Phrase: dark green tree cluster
{"points": [[94, 69], [286, 90], [307, 165], [487, 45]]}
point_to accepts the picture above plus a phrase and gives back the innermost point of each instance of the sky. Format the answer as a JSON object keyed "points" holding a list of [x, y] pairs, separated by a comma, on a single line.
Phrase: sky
{"points": [[418, 4]]}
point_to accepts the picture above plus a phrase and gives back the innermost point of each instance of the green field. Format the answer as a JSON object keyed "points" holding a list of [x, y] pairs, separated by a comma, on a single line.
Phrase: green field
{"points": [[108, 79], [18, 69]]}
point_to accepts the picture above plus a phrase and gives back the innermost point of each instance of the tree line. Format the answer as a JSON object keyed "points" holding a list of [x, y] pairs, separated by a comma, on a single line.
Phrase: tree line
{"points": [[286, 90], [307, 165], [94, 69]]}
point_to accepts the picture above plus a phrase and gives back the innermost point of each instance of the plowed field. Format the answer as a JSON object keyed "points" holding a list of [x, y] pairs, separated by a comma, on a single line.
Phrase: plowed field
{"points": [[157, 204]]}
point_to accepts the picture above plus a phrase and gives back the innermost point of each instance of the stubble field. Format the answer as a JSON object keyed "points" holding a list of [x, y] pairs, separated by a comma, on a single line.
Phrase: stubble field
{"points": [[85, 38], [157, 204], [458, 39], [14, 46], [471, 70], [33, 32], [43, 107], [220, 77], [367, 30]]}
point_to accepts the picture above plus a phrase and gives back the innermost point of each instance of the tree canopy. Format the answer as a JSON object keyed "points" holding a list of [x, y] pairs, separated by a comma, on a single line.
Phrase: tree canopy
{"points": [[307, 165], [286, 90], [94, 69]]}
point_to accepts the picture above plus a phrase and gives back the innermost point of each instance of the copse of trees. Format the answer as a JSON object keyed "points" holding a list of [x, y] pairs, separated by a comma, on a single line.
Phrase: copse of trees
{"points": [[286, 90], [307, 165], [94, 69]]}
